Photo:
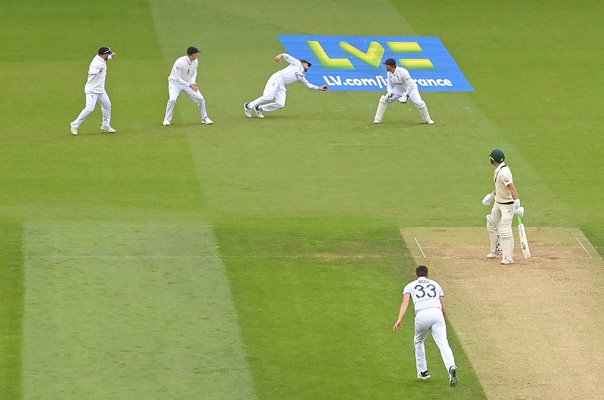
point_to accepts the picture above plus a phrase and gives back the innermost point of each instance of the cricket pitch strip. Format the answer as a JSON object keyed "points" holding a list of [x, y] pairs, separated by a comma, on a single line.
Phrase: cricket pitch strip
{"points": [[532, 330]]}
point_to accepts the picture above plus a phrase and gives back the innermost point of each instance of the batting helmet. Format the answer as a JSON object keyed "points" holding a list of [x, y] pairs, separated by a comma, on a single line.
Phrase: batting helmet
{"points": [[497, 156]]}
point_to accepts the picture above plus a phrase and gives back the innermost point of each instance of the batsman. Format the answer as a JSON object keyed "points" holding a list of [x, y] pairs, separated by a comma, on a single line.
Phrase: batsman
{"points": [[507, 203]]}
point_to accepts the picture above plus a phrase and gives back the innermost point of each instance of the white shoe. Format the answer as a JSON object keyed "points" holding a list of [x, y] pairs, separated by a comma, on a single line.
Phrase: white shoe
{"points": [[377, 121], [492, 255], [424, 375], [207, 121], [166, 123], [259, 112], [74, 130], [430, 122], [108, 129], [247, 111], [506, 261]]}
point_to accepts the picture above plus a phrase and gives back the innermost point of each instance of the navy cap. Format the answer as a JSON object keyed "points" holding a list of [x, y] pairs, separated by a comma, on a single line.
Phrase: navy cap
{"points": [[390, 61], [192, 50], [105, 50], [306, 61]]}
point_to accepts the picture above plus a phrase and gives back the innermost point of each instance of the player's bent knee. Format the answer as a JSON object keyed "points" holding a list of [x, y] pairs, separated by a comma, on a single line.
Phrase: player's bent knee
{"points": [[384, 99], [505, 230], [505, 233], [421, 105]]}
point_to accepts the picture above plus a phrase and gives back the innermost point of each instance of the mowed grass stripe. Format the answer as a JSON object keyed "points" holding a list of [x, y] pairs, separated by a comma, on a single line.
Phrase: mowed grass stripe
{"points": [[108, 314], [11, 307]]}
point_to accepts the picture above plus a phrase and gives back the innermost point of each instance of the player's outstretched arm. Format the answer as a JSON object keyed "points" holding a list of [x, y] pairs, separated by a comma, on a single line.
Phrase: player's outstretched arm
{"points": [[401, 314], [442, 305]]}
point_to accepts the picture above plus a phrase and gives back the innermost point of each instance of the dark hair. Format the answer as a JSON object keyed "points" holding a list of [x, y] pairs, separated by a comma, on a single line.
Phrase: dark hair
{"points": [[422, 270], [192, 50]]}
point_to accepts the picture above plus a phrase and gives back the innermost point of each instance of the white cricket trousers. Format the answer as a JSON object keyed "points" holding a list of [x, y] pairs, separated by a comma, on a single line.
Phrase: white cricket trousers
{"points": [[174, 90], [414, 97], [274, 90], [91, 100], [499, 226], [431, 319]]}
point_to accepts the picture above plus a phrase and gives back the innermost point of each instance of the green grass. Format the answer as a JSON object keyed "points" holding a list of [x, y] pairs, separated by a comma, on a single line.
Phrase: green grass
{"points": [[306, 204], [328, 292], [11, 307], [115, 310]]}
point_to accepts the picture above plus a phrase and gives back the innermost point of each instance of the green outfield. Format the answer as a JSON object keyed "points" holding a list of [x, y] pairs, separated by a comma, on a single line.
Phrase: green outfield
{"points": [[262, 259]]}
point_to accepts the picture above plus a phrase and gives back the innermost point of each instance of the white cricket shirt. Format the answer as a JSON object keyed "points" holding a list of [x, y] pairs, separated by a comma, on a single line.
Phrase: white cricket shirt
{"points": [[96, 77], [184, 71], [292, 73], [425, 293], [400, 82], [502, 178]]}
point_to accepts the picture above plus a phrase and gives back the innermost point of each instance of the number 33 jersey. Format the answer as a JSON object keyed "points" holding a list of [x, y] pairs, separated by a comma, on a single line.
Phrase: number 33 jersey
{"points": [[425, 293]]}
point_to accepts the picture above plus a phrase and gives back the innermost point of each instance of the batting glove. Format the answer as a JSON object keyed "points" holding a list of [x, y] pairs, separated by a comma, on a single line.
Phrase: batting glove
{"points": [[487, 199], [517, 209]]}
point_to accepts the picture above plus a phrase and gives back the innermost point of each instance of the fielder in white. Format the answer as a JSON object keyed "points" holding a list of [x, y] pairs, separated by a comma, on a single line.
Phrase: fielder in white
{"points": [[507, 203], [95, 91], [400, 87], [275, 87], [182, 78], [429, 302]]}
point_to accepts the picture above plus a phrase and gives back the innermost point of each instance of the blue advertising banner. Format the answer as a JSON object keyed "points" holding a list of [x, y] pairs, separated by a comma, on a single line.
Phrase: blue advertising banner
{"points": [[356, 62]]}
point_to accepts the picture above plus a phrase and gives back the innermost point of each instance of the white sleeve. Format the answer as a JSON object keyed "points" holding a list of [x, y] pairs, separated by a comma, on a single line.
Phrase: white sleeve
{"points": [[290, 59], [441, 293], [176, 75], [506, 176], [308, 84], [94, 68], [388, 84], [194, 76], [408, 81]]}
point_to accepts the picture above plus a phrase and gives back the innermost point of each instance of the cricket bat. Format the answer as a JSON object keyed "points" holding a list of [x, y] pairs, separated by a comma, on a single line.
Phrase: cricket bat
{"points": [[523, 240]]}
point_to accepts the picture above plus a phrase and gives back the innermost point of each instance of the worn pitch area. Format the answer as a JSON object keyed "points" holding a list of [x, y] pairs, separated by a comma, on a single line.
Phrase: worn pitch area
{"points": [[532, 330]]}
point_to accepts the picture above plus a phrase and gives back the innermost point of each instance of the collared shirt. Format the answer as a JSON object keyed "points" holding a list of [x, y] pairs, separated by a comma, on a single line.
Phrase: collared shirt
{"points": [[184, 71], [96, 77], [503, 177], [400, 81], [425, 293], [293, 72]]}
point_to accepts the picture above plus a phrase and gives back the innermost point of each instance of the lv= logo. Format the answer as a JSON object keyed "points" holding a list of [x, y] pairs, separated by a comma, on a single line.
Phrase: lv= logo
{"points": [[373, 56]]}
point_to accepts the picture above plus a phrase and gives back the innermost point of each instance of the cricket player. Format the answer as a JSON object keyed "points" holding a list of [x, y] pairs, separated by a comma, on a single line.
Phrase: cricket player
{"points": [[275, 87], [507, 203], [429, 302], [95, 91], [182, 78], [401, 87]]}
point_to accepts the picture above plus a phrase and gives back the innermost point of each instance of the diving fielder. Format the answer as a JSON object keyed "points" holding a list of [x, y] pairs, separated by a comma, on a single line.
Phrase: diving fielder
{"points": [[400, 86], [95, 91], [275, 86], [182, 79], [429, 302], [507, 203]]}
